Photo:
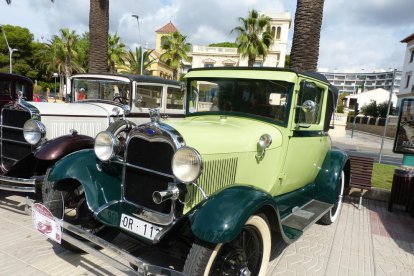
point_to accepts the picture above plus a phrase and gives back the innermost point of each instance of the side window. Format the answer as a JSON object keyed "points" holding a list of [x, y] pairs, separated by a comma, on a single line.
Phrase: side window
{"points": [[309, 103], [5, 88], [175, 98], [21, 87], [148, 96]]}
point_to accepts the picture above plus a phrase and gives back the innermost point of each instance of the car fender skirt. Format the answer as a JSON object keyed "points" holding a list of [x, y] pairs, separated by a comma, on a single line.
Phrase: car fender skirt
{"points": [[63, 145], [329, 174], [222, 216], [101, 181]]}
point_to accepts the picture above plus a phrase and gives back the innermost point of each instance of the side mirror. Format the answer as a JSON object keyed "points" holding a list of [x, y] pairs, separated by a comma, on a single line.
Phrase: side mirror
{"points": [[308, 106]]}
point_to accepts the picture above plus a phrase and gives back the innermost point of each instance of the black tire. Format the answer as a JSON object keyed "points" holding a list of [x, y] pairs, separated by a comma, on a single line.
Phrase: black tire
{"points": [[333, 214], [249, 252], [71, 206]]}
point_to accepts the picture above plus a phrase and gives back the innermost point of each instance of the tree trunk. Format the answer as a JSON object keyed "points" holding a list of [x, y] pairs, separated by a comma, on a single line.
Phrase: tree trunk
{"points": [[250, 61], [98, 34], [306, 36]]}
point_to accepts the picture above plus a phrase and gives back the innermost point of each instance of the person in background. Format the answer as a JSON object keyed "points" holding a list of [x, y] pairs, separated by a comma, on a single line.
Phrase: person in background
{"points": [[81, 94]]}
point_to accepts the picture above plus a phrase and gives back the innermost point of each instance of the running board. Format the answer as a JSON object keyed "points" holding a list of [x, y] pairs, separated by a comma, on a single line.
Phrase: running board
{"points": [[302, 218]]}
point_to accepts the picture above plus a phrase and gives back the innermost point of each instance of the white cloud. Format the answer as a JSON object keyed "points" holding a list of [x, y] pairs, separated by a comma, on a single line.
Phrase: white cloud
{"points": [[355, 34]]}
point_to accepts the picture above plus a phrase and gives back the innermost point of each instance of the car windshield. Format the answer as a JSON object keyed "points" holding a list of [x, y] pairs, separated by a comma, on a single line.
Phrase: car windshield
{"points": [[101, 89], [264, 98]]}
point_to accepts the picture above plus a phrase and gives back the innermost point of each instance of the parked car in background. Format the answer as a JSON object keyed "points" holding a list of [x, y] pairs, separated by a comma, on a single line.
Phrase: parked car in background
{"points": [[39, 98], [34, 135], [251, 165], [11, 84]]}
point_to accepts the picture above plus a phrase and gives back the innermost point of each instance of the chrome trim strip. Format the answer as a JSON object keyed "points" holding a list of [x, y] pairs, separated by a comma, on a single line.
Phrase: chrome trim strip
{"points": [[17, 184], [9, 158], [27, 189], [10, 127], [149, 170], [143, 267], [15, 142]]}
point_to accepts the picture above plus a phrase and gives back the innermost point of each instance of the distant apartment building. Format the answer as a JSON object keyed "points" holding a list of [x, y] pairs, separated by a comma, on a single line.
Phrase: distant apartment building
{"points": [[353, 83], [205, 56], [407, 82]]}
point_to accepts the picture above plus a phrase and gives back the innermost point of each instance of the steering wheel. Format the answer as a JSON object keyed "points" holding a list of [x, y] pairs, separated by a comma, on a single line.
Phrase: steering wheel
{"points": [[120, 99]]}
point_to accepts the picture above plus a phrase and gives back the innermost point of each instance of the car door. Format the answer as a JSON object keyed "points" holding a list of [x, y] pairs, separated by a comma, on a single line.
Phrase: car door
{"points": [[173, 100], [307, 143]]}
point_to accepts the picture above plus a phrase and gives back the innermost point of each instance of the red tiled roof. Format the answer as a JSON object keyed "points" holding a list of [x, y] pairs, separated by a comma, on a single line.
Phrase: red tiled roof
{"points": [[168, 28], [408, 38]]}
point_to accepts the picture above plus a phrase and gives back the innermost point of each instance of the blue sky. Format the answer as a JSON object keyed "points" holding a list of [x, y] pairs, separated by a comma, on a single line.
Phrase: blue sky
{"points": [[355, 34]]}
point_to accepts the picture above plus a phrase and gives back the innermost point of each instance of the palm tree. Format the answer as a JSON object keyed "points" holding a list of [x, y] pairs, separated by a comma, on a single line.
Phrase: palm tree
{"points": [[254, 37], [116, 50], [61, 54], [306, 36], [98, 34], [134, 60], [176, 48]]}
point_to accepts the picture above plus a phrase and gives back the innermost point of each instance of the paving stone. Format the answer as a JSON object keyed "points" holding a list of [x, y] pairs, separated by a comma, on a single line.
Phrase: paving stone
{"points": [[370, 241]]}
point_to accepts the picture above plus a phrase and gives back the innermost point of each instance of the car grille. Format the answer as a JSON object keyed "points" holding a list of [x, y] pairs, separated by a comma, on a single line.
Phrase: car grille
{"points": [[140, 184], [217, 174], [13, 145]]}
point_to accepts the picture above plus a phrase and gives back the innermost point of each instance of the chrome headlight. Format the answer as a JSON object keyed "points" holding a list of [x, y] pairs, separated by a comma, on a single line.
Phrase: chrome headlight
{"points": [[106, 145], [187, 164], [33, 131]]}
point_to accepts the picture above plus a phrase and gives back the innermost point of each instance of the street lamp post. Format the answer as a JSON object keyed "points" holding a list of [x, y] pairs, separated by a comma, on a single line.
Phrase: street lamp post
{"points": [[11, 50], [55, 75], [387, 116], [142, 48]]}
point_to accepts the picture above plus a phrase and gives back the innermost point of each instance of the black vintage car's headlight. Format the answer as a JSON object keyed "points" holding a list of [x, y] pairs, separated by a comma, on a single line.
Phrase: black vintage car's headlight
{"points": [[106, 145], [187, 164], [33, 131]]}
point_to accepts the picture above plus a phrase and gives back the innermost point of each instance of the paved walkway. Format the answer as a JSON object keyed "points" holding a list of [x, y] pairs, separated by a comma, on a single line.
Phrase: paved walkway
{"points": [[370, 241]]}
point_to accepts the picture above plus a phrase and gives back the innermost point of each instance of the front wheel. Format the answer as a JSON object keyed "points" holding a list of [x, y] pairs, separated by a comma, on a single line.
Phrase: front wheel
{"points": [[247, 254], [71, 206], [333, 214]]}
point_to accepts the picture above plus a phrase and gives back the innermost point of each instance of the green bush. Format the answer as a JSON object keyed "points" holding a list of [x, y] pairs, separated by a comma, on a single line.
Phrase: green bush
{"points": [[370, 109], [383, 108]]}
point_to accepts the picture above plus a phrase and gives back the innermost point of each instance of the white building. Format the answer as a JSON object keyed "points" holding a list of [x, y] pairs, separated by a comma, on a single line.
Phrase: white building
{"points": [[379, 95], [205, 56], [353, 83], [407, 82]]}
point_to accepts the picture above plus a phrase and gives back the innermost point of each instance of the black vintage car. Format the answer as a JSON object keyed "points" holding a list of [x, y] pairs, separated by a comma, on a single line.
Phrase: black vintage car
{"points": [[11, 84]]}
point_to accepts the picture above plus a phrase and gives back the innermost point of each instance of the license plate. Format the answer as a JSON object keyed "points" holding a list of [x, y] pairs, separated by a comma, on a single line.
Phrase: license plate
{"points": [[45, 222], [139, 227]]}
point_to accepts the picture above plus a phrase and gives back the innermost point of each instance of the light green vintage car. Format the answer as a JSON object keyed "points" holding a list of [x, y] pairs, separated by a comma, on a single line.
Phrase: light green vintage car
{"points": [[250, 166]]}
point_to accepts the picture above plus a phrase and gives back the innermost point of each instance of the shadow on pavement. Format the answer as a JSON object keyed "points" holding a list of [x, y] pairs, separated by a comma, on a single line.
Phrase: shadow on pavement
{"points": [[396, 225]]}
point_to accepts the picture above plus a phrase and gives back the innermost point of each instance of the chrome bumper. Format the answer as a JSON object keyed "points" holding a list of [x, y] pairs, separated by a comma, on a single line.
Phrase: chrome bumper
{"points": [[16, 184], [143, 267]]}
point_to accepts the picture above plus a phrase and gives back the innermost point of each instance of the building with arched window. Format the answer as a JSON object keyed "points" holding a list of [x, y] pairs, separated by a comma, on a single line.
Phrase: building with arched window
{"points": [[206, 56]]}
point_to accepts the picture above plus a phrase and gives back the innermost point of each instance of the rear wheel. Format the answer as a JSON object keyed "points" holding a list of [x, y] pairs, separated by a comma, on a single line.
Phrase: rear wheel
{"points": [[247, 254], [333, 214], [71, 206]]}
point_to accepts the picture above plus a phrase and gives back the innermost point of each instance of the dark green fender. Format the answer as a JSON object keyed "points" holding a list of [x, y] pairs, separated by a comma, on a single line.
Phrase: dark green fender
{"points": [[101, 181], [221, 217], [327, 179]]}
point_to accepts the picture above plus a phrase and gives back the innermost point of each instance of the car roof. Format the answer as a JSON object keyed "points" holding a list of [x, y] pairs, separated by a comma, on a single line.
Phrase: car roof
{"points": [[132, 77], [314, 75]]}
